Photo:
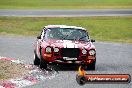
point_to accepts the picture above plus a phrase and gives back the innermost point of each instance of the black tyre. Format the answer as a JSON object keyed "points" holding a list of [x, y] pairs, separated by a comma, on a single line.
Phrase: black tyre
{"points": [[43, 64], [81, 80], [91, 66], [36, 59]]}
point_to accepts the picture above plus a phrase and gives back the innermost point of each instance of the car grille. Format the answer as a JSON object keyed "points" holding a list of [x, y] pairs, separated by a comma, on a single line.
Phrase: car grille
{"points": [[70, 52]]}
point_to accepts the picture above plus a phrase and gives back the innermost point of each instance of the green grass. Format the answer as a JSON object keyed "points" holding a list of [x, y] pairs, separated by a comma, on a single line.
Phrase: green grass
{"points": [[65, 4], [115, 29]]}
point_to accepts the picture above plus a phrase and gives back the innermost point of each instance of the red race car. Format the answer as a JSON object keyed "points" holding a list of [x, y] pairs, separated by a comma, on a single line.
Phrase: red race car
{"points": [[62, 44]]}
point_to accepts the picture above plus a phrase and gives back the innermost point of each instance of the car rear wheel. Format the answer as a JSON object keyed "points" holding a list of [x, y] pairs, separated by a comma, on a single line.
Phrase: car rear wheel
{"points": [[91, 66], [36, 59]]}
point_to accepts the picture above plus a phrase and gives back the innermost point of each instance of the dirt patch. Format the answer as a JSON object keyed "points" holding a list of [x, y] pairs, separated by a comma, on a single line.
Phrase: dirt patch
{"points": [[10, 70]]}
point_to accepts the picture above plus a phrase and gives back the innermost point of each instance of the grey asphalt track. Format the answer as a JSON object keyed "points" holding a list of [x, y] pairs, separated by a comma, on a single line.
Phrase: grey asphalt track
{"points": [[112, 58], [67, 13]]}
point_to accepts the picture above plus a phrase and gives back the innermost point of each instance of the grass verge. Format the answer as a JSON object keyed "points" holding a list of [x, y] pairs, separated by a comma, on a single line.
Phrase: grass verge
{"points": [[10, 69], [114, 29], [65, 4]]}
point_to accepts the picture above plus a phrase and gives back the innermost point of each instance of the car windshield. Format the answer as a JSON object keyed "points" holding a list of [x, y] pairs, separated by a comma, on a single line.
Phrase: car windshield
{"points": [[67, 34]]}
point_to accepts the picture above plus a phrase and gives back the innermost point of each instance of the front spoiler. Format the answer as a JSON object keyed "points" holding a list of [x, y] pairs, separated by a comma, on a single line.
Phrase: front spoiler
{"points": [[72, 62]]}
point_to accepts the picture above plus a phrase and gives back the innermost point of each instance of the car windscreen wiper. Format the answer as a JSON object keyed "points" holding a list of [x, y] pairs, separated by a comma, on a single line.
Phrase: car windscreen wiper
{"points": [[64, 37], [82, 38]]}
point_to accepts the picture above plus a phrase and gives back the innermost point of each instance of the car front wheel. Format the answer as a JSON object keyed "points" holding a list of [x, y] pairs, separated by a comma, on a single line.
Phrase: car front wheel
{"points": [[43, 64], [91, 66], [36, 59]]}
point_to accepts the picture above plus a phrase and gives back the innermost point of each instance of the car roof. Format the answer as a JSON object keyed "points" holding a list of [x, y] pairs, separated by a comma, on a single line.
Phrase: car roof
{"points": [[63, 26]]}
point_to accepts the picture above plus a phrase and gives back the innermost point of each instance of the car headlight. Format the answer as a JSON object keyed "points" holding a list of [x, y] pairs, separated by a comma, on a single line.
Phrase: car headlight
{"points": [[91, 52], [84, 51], [56, 50], [48, 49]]}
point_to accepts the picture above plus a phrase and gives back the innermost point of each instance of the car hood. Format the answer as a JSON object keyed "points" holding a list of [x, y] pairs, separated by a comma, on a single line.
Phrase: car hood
{"points": [[69, 44]]}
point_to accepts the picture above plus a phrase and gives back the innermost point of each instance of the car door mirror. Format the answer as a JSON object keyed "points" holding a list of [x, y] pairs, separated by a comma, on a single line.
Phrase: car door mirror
{"points": [[92, 40], [39, 37]]}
